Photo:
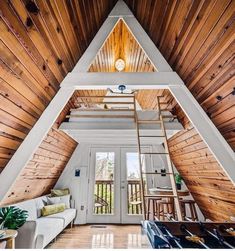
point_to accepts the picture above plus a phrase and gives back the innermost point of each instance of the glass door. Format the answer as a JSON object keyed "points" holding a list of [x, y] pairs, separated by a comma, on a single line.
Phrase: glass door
{"points": [[131, 201], [104, 186], [114, 194]]}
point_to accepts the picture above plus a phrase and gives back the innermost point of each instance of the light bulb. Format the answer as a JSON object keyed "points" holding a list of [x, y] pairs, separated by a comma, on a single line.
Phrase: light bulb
{"points": [[120, 64]]}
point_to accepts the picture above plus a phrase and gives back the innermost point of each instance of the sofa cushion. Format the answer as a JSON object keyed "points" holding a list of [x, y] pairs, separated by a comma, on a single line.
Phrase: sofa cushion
{"points": [[68, 215], [49, 228]]}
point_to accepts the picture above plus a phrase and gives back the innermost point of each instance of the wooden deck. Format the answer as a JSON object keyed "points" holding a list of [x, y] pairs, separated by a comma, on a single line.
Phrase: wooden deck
{"points": [[101, 236]]}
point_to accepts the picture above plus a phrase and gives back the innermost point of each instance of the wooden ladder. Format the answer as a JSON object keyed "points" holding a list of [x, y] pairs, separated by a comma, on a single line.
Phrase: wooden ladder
{"points": [[145, 195]]}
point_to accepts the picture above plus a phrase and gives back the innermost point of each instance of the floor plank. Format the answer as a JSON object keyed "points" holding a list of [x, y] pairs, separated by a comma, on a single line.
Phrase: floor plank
{"points": [[101, 236]]}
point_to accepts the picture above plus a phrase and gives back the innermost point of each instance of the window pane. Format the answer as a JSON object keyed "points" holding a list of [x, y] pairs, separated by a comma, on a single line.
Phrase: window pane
{"points": [[133, 180], [104, 183]]}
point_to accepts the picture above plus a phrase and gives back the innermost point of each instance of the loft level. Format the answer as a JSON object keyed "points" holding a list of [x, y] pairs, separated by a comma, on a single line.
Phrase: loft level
{"points": [[118, 125]]}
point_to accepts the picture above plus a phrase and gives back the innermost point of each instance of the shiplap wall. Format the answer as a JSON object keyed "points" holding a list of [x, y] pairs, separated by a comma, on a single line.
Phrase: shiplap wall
{"points": [[208, 184]]}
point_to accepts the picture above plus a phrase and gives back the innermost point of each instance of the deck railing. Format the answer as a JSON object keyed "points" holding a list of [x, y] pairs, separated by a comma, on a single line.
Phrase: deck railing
{"points": [[104, 197]]}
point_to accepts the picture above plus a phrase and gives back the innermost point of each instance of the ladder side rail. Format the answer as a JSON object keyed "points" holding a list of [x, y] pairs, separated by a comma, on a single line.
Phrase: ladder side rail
{"points": [[170, 167], [142, 187]]}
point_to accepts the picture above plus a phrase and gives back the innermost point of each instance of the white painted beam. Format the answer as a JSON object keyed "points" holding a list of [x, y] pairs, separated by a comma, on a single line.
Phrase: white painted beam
{"points": [[136, 80], [96, 44], [144, 41], [32, 141], [120, 10], [206, 129]]}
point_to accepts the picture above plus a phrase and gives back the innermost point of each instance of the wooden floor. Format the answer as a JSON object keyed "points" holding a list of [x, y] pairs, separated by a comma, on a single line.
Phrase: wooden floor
{"points": [[101, 236]]}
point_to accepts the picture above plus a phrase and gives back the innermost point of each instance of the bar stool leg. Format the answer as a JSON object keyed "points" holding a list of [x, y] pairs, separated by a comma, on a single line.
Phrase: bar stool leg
{"points": [[148, 208]]}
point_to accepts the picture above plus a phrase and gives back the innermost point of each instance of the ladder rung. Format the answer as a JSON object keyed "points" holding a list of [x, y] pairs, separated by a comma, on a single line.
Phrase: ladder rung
{"points": [[92, 97], [102, 110], [157, 173], [165, 110], [161, 196], [149, 121], [100, 116], [151, 136], [154, 153], [108, 103], [169, 116]]}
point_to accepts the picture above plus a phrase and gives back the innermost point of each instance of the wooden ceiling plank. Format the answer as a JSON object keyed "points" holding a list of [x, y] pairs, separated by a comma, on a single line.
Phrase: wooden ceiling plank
{"points": [[216, 76], [216, 41], [14, 24], [23, 57], [205, 36], [16, 98], [195, 34], [176, 26], [191, 18], [39, 40], [225, 89], [17, 86], [61, 13], [47, 19]]}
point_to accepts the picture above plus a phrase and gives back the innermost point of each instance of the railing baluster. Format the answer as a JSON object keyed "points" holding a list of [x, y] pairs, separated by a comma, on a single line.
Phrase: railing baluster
{"points": [[104, 190], [110, 197], [106, 185]]}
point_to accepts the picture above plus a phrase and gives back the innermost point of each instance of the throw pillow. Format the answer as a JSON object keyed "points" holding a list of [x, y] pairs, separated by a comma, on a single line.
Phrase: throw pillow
{"points": [[66, 200], [40, 203], [62, 199], [59, 192], [53, 200], [53, 209]]}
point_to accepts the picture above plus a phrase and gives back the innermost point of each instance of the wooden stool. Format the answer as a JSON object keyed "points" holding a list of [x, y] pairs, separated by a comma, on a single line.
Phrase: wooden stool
{"points": [[165, 207], [154, 206], [192, 209]]}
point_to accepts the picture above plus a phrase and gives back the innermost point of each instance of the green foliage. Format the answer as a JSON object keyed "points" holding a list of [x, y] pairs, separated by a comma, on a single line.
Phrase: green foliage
{"points": [[12, 217], [178, 178]]}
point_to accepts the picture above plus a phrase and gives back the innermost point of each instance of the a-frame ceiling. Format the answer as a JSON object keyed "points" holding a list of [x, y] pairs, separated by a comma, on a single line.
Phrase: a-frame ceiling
{"points": [[41, 43]]}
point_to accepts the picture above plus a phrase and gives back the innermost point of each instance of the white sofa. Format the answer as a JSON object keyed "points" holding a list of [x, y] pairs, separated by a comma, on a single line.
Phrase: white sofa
{"points": [[38, 232]]}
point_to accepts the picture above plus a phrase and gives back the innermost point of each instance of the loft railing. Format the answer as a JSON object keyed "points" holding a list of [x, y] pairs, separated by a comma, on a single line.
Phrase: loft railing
{"points": [[104, 197]]}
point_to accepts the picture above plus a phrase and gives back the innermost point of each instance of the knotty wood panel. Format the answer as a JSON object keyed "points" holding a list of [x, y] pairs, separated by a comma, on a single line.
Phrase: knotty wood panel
{"points": [[46, 166], [208, 184]]}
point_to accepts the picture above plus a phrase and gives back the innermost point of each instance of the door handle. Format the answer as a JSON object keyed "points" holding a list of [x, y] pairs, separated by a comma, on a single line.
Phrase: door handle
{"points": [[122, 187]]}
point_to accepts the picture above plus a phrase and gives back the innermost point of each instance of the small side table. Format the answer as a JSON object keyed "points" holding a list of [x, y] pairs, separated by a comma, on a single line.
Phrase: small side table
{"points": [[10, 238]]}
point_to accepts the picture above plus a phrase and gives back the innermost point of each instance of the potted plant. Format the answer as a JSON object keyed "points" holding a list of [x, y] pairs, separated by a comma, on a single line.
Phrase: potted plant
{"points": [[12, 217], [178, 181]]}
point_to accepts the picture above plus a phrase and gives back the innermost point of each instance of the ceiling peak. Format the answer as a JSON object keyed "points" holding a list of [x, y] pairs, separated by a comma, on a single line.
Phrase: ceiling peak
{"points": [[121, 10]]}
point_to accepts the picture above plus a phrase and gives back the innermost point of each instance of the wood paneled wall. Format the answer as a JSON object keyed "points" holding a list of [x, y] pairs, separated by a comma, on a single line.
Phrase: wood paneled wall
{"points": [[208, 184], [44, 169]]}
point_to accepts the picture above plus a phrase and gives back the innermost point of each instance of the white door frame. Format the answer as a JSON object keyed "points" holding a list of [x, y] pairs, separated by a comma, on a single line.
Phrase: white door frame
{"points": [[120, 215], [107, 218], [125, 217]]}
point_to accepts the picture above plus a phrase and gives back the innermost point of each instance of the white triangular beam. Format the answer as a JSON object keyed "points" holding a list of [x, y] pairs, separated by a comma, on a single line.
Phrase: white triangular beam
{"points": [[216, 143]]}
